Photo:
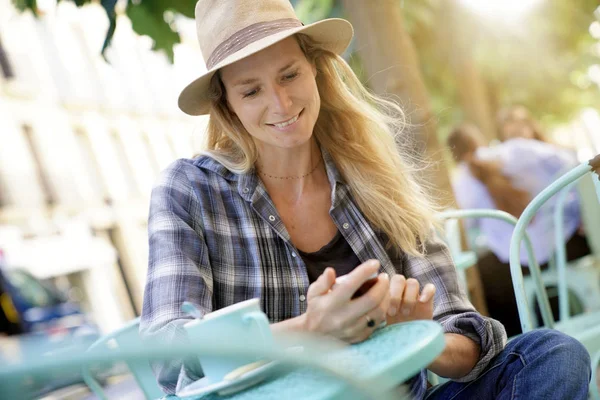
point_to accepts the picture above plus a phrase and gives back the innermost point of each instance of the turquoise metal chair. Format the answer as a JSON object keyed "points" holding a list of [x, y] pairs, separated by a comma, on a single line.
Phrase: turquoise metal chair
{"points": [[583, 274], [140, 370], [584, 327], [536, 275], [466, 259]]}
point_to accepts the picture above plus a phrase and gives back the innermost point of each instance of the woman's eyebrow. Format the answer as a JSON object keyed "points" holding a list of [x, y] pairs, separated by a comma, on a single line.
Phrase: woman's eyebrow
{"points": [[288, 65]]}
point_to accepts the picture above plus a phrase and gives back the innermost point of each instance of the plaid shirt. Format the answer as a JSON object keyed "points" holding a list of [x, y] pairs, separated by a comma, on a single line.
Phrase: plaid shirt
{"points": [[216, 239]]}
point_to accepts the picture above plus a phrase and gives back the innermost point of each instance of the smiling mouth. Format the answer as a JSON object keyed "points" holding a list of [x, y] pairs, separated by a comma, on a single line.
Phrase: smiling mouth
{"points": [[288, 122]]}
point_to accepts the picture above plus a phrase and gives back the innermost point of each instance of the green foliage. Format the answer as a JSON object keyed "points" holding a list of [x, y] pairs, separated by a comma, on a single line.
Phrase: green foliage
{"points": [[148, 17], [540, 62], [154, 18], [23, 5], [539, 65], [310, 11], [148, 20]]}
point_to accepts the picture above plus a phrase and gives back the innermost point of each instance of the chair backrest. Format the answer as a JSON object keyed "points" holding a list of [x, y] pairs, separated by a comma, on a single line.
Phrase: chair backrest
{"points": [[525, 315], [561, 184], [140, 369]]}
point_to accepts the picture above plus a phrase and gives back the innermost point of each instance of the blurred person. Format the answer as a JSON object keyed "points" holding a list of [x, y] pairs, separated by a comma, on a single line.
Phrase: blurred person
{"points": [[301, 181], [516, 122], [506, 177]]}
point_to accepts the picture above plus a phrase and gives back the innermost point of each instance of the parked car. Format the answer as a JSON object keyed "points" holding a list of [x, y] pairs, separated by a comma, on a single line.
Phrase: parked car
{"points": [[40, 307], [39, 316]]}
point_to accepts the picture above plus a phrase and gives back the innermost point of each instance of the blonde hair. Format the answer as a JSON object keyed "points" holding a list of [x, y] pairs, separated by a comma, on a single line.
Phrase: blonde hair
{"points": [[360, 132]]}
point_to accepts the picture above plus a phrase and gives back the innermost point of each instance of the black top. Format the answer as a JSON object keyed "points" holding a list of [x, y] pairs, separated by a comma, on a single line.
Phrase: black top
{"points": [[336, 254]]}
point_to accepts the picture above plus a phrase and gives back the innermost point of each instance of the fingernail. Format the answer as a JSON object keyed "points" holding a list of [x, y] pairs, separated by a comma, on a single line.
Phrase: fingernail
{"points": [[422, 298], [385, 276], [373, 263], [392, 311]]}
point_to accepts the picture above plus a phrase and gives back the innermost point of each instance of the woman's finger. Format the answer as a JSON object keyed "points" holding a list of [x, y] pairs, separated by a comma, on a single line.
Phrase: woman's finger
{"points": [[427, 294], [348, 284], [375, 297], [322, 285], [411, 292], [397, 286], [365, 325]]}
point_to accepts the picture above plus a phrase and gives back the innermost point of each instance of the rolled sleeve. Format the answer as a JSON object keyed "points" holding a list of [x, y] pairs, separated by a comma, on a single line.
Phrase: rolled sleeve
{"points": [[178, 271], [452, 309]]}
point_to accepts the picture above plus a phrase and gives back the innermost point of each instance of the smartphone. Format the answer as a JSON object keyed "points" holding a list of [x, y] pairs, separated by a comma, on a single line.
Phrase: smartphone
{"points": [[364, 288]]}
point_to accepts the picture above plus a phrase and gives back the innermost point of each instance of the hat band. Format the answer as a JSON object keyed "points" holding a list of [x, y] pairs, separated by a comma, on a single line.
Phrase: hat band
{"points": [[249, 34]]}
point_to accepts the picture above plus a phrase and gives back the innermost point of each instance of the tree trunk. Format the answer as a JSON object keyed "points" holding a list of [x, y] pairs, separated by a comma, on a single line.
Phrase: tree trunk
{"points": [[391, 63], [473, 94], [472, 89]]}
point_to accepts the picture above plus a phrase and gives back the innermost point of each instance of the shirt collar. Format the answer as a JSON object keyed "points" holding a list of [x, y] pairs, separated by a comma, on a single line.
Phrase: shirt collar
{"points": [[333, 174]]}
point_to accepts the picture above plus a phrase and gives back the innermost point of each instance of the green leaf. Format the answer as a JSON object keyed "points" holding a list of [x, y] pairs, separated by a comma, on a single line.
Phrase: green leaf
{"points": [[23, 5], [309, 11], [187, 8], [147, 18]]}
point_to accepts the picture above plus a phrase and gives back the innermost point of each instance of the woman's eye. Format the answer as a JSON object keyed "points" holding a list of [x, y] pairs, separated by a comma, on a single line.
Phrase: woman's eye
{"points": [[290, 76], [251, 93]]}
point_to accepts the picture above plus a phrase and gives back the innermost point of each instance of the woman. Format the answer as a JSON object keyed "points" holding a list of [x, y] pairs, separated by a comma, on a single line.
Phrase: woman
{"points": [[507, 177], [301, 182], [516, 122]]}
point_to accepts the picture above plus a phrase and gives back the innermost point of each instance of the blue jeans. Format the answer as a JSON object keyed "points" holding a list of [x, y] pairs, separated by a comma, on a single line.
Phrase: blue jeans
{"points": [[542, 364]]}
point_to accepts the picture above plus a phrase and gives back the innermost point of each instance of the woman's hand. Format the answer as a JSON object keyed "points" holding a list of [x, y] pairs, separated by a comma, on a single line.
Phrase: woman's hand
{"points": [[332, 311], [406, 303]]}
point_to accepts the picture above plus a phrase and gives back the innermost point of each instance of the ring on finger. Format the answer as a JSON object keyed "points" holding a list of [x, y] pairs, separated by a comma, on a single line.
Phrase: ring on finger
{"points": [[370, 321]]}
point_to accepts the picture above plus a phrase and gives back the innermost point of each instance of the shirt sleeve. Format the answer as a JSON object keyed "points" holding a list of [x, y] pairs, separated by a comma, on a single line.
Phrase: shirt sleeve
{"points": [[178, 271], [452, 309]]}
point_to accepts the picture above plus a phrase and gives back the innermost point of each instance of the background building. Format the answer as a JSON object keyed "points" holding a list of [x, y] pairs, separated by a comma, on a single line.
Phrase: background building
{"points": [[81, 142]]}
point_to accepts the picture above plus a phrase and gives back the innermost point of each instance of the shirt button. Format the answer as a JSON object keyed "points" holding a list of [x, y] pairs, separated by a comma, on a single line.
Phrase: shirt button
{"points": [[246, 190], [346, 225], [302, 297], [271, 218], [294, 255]]}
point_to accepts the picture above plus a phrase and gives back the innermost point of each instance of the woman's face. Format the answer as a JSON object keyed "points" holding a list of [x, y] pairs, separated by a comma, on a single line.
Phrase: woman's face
{"points": [[512, 129], [274, 95]]}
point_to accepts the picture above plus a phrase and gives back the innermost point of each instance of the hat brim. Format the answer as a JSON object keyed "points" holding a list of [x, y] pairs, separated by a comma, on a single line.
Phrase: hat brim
{"points": [[332, 34]]}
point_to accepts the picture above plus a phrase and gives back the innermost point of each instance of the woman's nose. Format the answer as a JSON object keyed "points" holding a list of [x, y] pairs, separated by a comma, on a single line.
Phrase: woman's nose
{"points": [[282, 102]]}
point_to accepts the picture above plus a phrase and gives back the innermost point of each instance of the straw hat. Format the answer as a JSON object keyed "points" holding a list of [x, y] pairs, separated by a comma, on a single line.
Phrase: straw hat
{"points": [[230, 30]]}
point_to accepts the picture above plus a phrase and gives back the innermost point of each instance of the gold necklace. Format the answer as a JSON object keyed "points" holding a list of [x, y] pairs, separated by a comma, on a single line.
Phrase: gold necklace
{"points": [[292, 177]]}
